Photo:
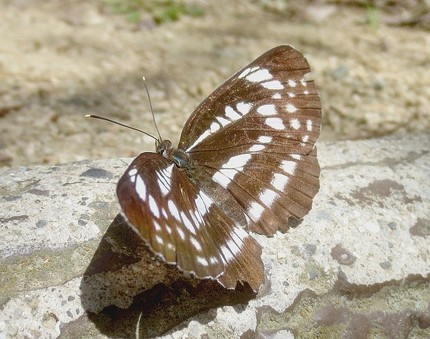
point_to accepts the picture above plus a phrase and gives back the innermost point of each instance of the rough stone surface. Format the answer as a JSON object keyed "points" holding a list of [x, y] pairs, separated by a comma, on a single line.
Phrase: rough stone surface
{"points": [[357, 266]]}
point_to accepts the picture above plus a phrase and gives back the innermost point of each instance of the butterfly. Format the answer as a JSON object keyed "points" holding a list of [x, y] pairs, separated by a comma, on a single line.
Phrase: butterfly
{"points": [[246, 162]]}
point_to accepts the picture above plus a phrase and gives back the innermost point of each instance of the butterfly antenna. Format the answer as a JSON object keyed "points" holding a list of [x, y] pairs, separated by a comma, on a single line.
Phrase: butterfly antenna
{"points": [[152, 111], [118, 123]]}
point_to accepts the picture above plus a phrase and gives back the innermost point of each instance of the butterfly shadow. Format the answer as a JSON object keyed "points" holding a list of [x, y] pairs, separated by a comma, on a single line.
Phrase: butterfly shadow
{"points": [[127, 292]]}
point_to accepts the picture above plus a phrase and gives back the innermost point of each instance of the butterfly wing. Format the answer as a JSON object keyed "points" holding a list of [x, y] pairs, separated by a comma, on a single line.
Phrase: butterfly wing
{"points": [[183, 225], [254, 136]]}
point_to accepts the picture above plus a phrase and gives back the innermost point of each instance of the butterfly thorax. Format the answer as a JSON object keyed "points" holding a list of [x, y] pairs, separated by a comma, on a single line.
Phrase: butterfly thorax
{"points": [[179, 157]]}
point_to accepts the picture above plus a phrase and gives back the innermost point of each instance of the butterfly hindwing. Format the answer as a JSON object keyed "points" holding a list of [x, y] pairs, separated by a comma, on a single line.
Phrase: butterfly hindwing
{"points": [[183, 225]]}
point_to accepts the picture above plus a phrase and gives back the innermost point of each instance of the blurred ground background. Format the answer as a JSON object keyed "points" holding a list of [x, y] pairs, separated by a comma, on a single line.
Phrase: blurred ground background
{"points": [[60, 60]]}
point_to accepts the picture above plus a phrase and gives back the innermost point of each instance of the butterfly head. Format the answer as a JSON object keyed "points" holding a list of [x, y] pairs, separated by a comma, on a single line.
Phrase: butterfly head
{"points": [[164, 147]]}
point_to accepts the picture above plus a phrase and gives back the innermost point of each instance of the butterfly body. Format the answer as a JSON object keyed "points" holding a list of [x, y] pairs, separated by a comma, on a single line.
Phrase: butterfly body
{"points": [[246, 161]]}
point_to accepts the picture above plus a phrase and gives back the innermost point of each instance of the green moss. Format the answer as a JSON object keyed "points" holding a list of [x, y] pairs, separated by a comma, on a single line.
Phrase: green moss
{"points": [[373, 17], [161, 11]]}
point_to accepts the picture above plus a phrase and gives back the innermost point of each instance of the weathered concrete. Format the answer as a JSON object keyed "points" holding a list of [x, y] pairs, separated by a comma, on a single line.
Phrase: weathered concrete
{"points": [[358, 264]]}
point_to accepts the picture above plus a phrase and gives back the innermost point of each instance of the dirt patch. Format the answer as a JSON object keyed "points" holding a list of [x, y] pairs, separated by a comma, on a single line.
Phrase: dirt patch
{"points": [[62, 60]]}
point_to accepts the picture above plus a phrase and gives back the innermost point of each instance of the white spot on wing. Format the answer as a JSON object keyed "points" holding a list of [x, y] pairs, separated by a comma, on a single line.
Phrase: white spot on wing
{"points": [[202, 260], [309, 125], [206, 199], [180, 233], [274, 84], [279, 181], [268, 197], [255, 210], [201, 208], [157, 226], [246, 71], [239, 235], [291, 108], [296, 156], [277, 96], [163, 180], [196, 244], [203, 203], [197, 217], [202, 137], [232, 114], [243, 107], [223, 121], [291, 94], [168, 171], [295, 123], [292, 83], [288, 166], [140, 188], [187, 223], [153, 206], [214, 127], [220, 178], [173, 210], [266, 110], [264, 139], [232, 247], [275, 123], [132, 172], [227, 255], [227, 172], [256, 148], [159, 239], [213, 260], [259, 75], [305, 138], [237, 161], [161, 183]]}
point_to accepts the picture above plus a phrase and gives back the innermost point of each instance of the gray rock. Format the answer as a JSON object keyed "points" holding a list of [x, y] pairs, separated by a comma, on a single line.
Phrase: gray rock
{"points": [[70, 267]]}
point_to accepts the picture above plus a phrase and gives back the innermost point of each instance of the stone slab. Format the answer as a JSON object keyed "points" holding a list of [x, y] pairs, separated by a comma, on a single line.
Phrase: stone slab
{"points": [[360, 260]]}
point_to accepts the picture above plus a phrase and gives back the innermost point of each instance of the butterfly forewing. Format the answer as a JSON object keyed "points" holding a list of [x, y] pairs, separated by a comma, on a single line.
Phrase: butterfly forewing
{"points": [[255, 137], [182, 224], [269, 97]]}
